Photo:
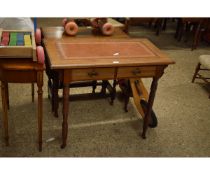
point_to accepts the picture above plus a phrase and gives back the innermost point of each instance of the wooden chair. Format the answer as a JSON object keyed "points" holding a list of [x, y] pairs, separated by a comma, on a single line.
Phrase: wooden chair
{"points": [[203, 65]]}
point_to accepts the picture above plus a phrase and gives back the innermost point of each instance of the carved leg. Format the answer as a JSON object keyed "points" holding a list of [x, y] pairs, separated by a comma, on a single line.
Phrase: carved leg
{"points": [[196, 72], [65, 114], [32, 91], [40, 92], [55, 98], [5, 115], [7, 94], [150, 103]]}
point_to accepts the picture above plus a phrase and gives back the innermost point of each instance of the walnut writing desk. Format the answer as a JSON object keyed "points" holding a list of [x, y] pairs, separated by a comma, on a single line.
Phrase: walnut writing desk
{"points": [[78, 59]]}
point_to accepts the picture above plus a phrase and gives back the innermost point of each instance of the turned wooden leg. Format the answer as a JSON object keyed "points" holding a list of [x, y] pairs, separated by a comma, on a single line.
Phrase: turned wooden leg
{"points": [[32, 91], [55, 98], [196, 72], [66, 90], [5, 115], [40, 110], [150, 104], [7, 94]]}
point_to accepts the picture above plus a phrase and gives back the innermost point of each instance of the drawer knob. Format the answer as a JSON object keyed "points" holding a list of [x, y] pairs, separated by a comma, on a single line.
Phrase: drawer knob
{"points": [[93, 73], [136, 71]]}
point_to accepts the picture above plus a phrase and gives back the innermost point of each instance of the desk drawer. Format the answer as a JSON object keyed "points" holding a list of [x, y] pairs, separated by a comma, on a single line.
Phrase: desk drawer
{"points": [[128, 72], [92, 74]]}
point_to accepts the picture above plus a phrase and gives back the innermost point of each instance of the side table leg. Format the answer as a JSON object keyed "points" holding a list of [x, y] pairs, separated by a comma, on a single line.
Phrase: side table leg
{"points": [[55, 99], [32, 91], [65, 114], [7, 94], [40, 110], [5, 115], [150, 103]]}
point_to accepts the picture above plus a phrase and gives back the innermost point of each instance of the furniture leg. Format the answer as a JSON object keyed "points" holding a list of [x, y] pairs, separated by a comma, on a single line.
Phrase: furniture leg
{"points": [[197, 37], [181, 31], [51, 94], [178, 28], [114, 92], [49, 89], [126, 102], [7, 94], [164, 23], [55, 95], [40, 110], [5, 115], [104, 85], [65, 114], [94, 86], [196, 72], [150, 104], [32, 91]]}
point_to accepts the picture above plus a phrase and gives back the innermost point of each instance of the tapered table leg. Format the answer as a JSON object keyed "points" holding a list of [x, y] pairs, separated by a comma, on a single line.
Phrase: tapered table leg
{"points": [[65, 114], [55, 95], [5, 115], [7, 94], [32, 91], [40, 110], [150, 104]]}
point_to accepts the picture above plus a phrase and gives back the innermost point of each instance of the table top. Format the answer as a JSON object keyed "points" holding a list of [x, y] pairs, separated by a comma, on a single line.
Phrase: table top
{"points": [[100, 51]]}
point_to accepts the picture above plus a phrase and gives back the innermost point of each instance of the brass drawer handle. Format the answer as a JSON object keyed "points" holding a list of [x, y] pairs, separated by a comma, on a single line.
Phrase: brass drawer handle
{"points": [[93, 73], [136, 71]]}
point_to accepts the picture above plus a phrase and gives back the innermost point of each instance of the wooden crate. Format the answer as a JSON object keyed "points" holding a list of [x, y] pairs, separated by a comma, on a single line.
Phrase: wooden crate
{"points": [[19, 51]]}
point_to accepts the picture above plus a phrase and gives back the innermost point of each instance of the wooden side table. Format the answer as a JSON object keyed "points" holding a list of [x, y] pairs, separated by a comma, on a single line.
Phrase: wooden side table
{"points": [[20, 71]]}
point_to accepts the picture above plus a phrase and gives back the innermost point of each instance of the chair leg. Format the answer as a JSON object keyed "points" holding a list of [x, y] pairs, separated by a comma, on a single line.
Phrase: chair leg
{"points": [[94, 86], [4, 108], [32, 91], [126, 102], [196, 72], [113, 95], [197, 37]]}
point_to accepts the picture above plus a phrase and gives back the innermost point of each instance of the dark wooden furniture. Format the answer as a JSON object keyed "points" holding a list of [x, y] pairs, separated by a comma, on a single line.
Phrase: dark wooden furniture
{"points": [[81, 59], [191, 26], [159, 23]]}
